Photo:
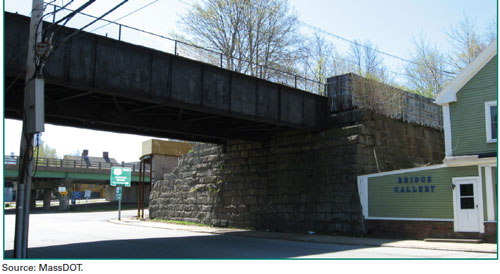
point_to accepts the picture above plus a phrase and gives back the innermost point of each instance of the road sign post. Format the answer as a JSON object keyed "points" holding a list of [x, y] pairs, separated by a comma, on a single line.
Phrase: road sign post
{"points": [[120, 176], [87, 195], [119, 197]]}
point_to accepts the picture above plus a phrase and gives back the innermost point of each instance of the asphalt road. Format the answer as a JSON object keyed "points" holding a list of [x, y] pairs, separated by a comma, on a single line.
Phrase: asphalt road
{"points": [[91, 235]]}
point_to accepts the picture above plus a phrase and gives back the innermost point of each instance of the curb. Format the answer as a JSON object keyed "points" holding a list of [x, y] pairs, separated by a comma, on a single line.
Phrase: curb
{"points": [[373, 242]]}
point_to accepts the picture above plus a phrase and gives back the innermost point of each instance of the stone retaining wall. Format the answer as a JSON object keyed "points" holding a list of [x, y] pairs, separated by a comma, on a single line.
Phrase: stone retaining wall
{"points": [[298, 181]]}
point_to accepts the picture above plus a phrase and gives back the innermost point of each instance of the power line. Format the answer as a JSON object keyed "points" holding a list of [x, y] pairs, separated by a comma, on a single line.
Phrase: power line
{"points": [[383, 71], [73, 13], [364, 46], [118, 19], [444, 72]]}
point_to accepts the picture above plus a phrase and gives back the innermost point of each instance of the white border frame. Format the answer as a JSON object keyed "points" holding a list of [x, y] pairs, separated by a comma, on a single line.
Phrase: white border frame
{"points": [[447, 130], [363, 192], [487, 119], [490, 203], [479, 201]]}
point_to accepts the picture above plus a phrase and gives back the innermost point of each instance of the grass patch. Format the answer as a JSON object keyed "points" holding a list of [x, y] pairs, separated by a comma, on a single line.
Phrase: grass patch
{"points": [[103, 208], [179, 222], [197, 224]]}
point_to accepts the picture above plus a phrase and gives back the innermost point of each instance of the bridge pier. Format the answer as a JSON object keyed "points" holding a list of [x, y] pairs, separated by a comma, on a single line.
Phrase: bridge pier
{"points": [[46, 198], [63, 203], [33, 199]]}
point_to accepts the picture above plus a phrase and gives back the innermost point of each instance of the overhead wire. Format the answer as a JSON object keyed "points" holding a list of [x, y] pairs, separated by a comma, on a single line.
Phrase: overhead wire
{"points": [[369, 48], [300, 22], [349, 41], [118, 19], [79, 31]]}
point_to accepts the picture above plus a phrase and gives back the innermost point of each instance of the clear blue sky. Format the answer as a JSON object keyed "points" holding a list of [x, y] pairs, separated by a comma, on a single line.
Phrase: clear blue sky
{"points": [[389, 24]]}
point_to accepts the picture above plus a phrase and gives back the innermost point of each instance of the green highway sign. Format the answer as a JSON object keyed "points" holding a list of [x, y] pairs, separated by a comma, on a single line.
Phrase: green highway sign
{"points": [[121, 176]]}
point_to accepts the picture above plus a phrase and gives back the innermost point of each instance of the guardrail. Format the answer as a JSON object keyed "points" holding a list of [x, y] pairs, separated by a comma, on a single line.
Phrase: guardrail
{"points": [[67, 163]]}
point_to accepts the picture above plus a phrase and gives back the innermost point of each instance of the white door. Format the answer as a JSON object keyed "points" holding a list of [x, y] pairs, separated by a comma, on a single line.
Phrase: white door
{"points": [[466, 204]]}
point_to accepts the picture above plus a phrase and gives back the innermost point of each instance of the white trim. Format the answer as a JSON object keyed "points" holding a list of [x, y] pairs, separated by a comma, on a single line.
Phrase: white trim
{"points": [[408, 219], [478, 199], [487, 116], [447, 130], [448, 94], [469, 160], [480, 202], [490, 203], [363, 195], [400, 171]]}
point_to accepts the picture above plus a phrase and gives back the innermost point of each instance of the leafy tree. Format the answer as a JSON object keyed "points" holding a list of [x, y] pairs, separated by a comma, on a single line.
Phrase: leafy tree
{"points": [[45, 151]]}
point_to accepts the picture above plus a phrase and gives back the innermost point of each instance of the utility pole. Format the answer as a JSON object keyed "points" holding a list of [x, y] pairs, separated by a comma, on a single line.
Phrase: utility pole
{"points": [[33, 122]]}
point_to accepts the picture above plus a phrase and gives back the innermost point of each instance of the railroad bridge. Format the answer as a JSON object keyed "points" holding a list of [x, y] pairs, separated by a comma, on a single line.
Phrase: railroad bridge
{"points": [[100, 83], [290, 158]]}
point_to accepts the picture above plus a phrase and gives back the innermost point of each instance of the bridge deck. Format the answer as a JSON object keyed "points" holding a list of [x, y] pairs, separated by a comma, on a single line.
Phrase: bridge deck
{"points": [[100, 83]]}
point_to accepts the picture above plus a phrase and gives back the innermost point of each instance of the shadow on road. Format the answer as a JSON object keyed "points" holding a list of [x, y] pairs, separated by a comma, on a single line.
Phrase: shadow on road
{"points": [[200, 247]]}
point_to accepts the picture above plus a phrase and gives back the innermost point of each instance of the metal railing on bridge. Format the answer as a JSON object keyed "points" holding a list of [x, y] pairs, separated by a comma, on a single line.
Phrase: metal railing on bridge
{"points": [[163, 43], [70, 163]]}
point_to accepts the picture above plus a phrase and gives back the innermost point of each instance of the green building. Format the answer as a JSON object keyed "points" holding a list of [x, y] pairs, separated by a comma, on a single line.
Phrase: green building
{"points": [[459, 197]]}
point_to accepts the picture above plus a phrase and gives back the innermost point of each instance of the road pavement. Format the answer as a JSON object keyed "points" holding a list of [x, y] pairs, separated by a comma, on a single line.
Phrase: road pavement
{"points": [[100, 235]]}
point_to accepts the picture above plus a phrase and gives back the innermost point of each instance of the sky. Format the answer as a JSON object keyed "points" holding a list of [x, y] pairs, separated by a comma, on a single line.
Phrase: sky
{"points": [[389, 24]]}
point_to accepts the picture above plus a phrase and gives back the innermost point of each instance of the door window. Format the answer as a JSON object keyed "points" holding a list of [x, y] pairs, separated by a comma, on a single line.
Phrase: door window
{"points": [[466, 196]]}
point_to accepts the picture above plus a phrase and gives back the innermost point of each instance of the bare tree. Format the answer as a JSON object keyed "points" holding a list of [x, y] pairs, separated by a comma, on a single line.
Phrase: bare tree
{"points": [[427, 70], [366, 61], [466, 42], [248, 33], [317, 58], [492, 30]]}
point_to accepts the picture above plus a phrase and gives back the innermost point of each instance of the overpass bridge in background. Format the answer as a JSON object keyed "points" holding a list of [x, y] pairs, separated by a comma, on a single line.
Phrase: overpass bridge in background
{"points": [[78, 171], [49, 174], [99, 83]]}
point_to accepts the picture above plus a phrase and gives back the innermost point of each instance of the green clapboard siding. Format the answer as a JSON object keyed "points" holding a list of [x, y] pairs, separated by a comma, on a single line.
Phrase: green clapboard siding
{"points": [[383, 201], [468, 128]]}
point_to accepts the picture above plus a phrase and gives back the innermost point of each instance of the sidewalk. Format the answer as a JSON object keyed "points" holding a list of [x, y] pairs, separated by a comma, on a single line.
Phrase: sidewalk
{"points": [[375, 242]]}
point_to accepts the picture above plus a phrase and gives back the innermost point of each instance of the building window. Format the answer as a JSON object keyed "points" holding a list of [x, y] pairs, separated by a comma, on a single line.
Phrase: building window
{"points": [[491, 121]]}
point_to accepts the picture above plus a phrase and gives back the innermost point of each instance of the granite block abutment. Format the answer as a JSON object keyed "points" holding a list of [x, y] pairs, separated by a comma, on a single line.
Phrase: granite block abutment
{"points": [[297, 182]]}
